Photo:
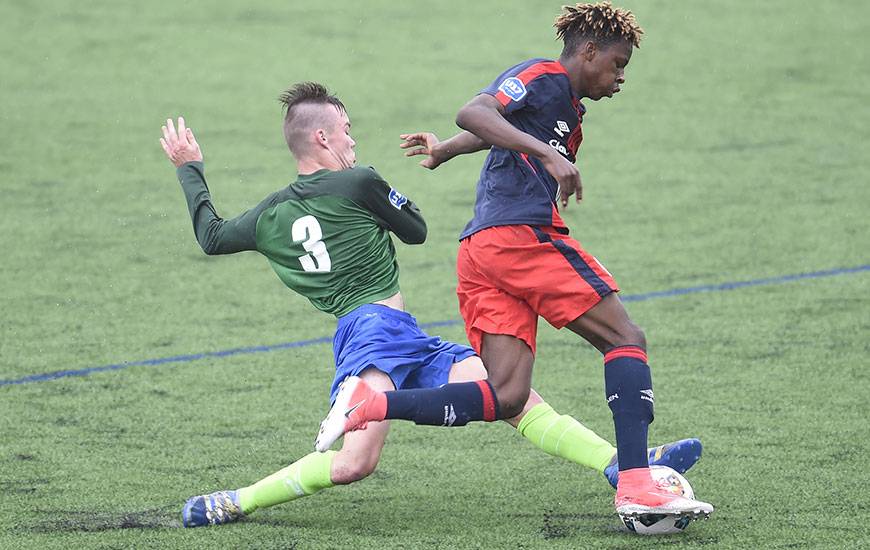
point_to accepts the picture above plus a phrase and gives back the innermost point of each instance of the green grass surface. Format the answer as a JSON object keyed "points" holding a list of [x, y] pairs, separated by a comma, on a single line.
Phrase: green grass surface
{"points": [[736, 151]]}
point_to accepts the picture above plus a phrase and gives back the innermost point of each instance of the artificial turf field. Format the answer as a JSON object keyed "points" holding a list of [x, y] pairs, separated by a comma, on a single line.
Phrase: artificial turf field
{"points": [[732, 154]]}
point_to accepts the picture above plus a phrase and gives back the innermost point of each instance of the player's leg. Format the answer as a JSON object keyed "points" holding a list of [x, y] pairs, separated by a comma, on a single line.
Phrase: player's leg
{"points": [[556, 434], [315, 471], [563, 436], [627, 378], [628, 387], [508, 325], [568, 287], [451, 404]]}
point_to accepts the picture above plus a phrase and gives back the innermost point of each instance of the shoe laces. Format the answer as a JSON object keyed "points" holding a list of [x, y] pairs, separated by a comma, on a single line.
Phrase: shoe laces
{"points": [[224, 509]]}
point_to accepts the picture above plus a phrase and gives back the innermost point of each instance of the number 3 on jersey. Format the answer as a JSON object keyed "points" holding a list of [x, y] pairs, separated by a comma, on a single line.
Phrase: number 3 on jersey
{"points": [[306, 230]]}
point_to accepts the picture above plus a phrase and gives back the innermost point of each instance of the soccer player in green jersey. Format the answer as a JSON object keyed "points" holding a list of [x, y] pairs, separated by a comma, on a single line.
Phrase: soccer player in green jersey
{"points": [[327, 236]]}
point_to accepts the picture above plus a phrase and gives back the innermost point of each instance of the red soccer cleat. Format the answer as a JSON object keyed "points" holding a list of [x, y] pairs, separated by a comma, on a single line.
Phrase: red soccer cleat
{"points": [[637, 494]]}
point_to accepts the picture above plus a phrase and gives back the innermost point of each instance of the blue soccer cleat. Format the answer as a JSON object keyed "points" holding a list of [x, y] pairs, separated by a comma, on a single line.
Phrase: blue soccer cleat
{"points": [[679, 455], [213, 509]]}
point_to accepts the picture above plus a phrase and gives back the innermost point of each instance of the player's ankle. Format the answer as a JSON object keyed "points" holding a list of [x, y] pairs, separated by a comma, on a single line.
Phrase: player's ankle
{"points": [[634, 479], [376, 409]]}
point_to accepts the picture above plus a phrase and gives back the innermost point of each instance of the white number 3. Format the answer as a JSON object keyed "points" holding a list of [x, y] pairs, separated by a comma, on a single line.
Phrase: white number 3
{"points": [[306, 230]]}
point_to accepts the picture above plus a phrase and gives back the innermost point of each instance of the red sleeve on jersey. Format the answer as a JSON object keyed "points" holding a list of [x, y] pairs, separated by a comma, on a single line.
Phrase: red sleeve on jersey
{"points": [[530, 73], [536, 70]]}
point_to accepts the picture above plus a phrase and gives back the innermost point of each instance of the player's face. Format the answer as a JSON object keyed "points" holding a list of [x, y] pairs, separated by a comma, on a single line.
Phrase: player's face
{"points": [[606, 70], [340, 143]]}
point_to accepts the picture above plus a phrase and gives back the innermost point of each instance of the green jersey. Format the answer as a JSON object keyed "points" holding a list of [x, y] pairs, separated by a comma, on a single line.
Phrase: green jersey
{"points": [[327, 235]]}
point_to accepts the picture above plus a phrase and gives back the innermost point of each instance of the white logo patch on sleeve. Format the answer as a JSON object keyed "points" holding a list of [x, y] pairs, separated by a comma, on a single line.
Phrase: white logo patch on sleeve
{"points": [[513, 87], [397, 199]]}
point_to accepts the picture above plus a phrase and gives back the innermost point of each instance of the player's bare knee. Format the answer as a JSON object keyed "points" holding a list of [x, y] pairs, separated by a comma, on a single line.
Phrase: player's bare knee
{"points": [[629, 334], [362, 470], [511, 401], [354, 470]]}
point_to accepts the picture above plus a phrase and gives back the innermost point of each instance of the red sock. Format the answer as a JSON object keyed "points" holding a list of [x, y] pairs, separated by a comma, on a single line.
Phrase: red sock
{"points": [[376, 410]]}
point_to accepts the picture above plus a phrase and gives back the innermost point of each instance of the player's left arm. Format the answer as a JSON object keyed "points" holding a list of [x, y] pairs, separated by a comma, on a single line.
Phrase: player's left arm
{"points": [[438, 152], [394, 210]]}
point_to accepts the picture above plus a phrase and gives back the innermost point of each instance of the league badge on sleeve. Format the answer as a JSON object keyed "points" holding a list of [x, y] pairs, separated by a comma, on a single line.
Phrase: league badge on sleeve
{"points": [[397, 199], [513, 87]]}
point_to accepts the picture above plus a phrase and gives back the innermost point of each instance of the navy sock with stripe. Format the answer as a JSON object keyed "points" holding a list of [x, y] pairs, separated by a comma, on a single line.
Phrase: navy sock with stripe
{"points": [[448, 405], [628, 385]]}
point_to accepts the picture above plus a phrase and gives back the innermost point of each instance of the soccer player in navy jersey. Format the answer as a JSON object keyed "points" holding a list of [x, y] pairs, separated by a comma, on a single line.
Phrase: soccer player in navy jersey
{"points": [[516, 261]]}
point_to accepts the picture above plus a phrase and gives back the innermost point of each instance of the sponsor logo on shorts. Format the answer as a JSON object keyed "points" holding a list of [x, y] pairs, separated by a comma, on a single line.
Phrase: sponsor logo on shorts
{"points": [[613, 397], [513, 87], [397, 199], [648, 395]]}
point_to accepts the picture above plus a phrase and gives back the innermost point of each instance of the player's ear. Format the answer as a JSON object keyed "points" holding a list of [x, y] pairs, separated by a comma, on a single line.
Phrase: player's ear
{"points": [[588, 50], [320, 136]]}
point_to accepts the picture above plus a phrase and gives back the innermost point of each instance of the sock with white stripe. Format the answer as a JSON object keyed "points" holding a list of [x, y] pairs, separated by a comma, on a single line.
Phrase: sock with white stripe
{"points": [[565, 437], [304, 477]]}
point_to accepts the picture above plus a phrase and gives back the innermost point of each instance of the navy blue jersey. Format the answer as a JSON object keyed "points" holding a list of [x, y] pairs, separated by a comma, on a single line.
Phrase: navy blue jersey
{"points": [[514, 188]]}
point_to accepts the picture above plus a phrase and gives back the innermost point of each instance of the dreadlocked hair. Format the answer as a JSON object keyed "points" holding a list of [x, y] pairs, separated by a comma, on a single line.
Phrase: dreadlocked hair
{"points": [[600, 22]]}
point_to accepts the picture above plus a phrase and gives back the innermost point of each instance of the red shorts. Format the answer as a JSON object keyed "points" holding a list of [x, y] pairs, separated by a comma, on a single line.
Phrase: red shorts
{"points": [[509, 275]]}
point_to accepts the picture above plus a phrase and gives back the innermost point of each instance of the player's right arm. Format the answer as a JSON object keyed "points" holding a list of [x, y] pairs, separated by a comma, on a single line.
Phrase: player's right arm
{"points": [[438, 152], [214, 234], [484, 117]]}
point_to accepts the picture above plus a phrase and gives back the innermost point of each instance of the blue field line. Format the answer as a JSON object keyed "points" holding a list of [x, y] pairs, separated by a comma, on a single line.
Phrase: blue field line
{"points": [[327, 339]]}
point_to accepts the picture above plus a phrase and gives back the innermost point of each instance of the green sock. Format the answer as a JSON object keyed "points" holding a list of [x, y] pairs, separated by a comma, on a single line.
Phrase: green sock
{"points": [[561, 435], [304, 477]]}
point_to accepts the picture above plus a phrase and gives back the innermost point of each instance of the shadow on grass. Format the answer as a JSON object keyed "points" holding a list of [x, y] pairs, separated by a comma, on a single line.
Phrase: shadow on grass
{"points": [[71, 520]]}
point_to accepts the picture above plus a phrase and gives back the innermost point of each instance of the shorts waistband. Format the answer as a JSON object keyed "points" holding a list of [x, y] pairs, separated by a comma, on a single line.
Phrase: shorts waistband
{"points": [[379, 310]]}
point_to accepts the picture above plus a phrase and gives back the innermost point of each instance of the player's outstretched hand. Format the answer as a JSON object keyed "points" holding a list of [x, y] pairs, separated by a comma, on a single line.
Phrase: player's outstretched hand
{"points": [[566, 175], [423, 143], [179, 146]]}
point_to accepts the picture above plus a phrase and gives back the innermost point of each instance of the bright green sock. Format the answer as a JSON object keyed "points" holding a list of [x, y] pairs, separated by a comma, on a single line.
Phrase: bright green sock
{"points": [[561, 435], [304, 477]]}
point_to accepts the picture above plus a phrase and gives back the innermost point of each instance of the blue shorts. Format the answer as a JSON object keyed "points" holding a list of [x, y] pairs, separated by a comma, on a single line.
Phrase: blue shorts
{"points": [[388, 339]]}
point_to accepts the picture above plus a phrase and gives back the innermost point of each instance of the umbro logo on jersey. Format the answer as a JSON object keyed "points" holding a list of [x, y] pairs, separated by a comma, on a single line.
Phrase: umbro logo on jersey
{"points": [[397, 199], [561, 128], [513, 87]]}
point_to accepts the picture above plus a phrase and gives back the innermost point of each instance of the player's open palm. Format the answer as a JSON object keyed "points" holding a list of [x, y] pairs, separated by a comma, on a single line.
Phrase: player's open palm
{"points": [[180, 146], [566, 175], [422, 143]]}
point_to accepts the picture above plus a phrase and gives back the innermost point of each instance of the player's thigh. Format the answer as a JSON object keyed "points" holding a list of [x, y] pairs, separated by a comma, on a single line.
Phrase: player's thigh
{"points": [[487, 307], [467, 370], [508, 361], [607, 325], [558, 279]]}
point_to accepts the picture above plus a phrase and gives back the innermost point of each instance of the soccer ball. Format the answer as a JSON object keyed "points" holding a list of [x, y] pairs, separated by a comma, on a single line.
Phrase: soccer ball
{"points": [[662, 524]]}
